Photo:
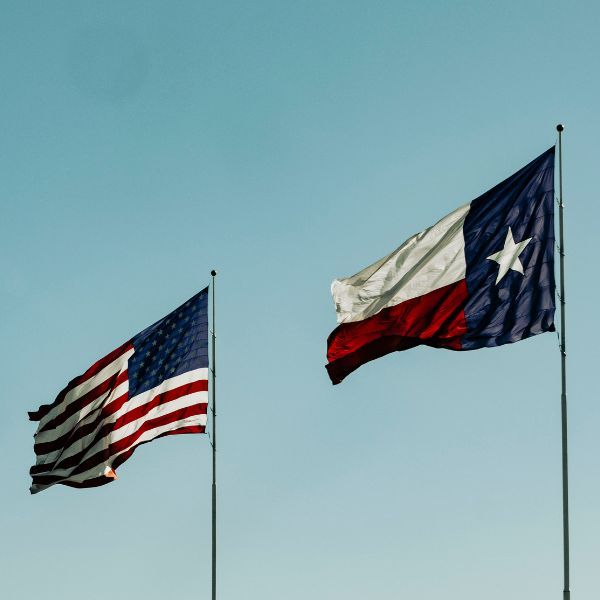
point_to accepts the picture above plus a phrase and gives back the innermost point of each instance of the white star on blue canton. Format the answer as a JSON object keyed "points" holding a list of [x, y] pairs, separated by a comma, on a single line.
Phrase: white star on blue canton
{"points": [[508, 257]]}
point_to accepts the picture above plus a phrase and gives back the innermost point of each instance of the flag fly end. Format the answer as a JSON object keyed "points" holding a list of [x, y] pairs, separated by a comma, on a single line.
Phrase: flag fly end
{"points": [[108, 472]]}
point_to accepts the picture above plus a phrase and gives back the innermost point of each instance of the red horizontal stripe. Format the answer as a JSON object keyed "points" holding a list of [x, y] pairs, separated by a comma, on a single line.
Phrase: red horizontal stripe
{"points": [[120, 445], [181, 430], [72, 436], [80, 403], [124, 443], [107, 428], [435, 319], [98, 481], [134, 415], [88, 483], [168, 396], [43, 410]]}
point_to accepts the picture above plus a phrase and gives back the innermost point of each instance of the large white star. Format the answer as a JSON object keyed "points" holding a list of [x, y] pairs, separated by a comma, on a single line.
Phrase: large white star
{"points": [[508, 257]]}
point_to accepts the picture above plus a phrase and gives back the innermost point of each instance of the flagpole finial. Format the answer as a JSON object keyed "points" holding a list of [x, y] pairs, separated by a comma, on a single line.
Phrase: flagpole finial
{"points": [[213, 273], [560, 127]]}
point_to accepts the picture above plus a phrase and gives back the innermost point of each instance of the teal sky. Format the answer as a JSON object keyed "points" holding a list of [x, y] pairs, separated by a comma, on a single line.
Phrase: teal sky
{"points": [[285, 144]]}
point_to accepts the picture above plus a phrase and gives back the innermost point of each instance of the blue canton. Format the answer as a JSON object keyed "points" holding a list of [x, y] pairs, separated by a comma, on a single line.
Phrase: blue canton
{"points": [[174, 345], [520, 304]]}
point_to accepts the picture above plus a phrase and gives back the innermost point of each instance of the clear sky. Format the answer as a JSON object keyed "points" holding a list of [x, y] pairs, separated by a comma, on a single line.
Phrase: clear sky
{"points": [[285, 144]]}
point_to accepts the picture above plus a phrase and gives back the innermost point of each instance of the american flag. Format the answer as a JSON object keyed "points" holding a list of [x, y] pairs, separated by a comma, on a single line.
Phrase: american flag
{"points": [[155, 384]]}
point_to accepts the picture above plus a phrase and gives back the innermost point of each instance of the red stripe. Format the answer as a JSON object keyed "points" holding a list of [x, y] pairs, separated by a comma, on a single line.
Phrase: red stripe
{"points": [[78, 404], [435, 319], [123, 444], [88, 483], [106, 429], [181, 430], [70, 437], [43, 410], [98, 481], [168, 396]]}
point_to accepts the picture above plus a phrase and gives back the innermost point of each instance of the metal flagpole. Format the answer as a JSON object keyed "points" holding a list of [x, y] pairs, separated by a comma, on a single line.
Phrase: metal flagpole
{"points": [[563, 364], [214, 446]]}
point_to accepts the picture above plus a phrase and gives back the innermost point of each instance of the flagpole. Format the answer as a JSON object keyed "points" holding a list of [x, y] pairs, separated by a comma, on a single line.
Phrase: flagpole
{"points": [[563, 364], [214, 445]]}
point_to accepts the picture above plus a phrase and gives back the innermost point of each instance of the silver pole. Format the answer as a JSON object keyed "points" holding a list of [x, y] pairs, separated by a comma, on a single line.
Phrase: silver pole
{"points": [[214, 445], [563, 365]]}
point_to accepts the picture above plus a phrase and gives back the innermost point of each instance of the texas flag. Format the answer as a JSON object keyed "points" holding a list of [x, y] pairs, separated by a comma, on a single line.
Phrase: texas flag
{"points": [[483, 276]]}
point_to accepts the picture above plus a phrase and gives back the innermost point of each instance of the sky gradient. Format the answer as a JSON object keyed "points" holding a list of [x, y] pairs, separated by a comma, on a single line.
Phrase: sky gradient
{"points": [[285, 144]]}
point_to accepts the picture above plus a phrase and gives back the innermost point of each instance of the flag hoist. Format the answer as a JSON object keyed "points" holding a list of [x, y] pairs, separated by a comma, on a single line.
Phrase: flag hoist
{"points": [[482, 276]]}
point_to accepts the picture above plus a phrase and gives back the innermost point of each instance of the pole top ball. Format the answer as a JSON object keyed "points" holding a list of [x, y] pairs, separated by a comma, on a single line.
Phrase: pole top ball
{"points": [[560, 127], [213, 273]]}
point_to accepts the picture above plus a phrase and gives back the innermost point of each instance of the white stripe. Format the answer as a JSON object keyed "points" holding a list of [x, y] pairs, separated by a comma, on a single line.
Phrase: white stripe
{"points": [[83, 388], [169, 384], [122, 432], [131, 404], [426, 262], [76, 420], [83, 416], [90, 417], [99, 470]]}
